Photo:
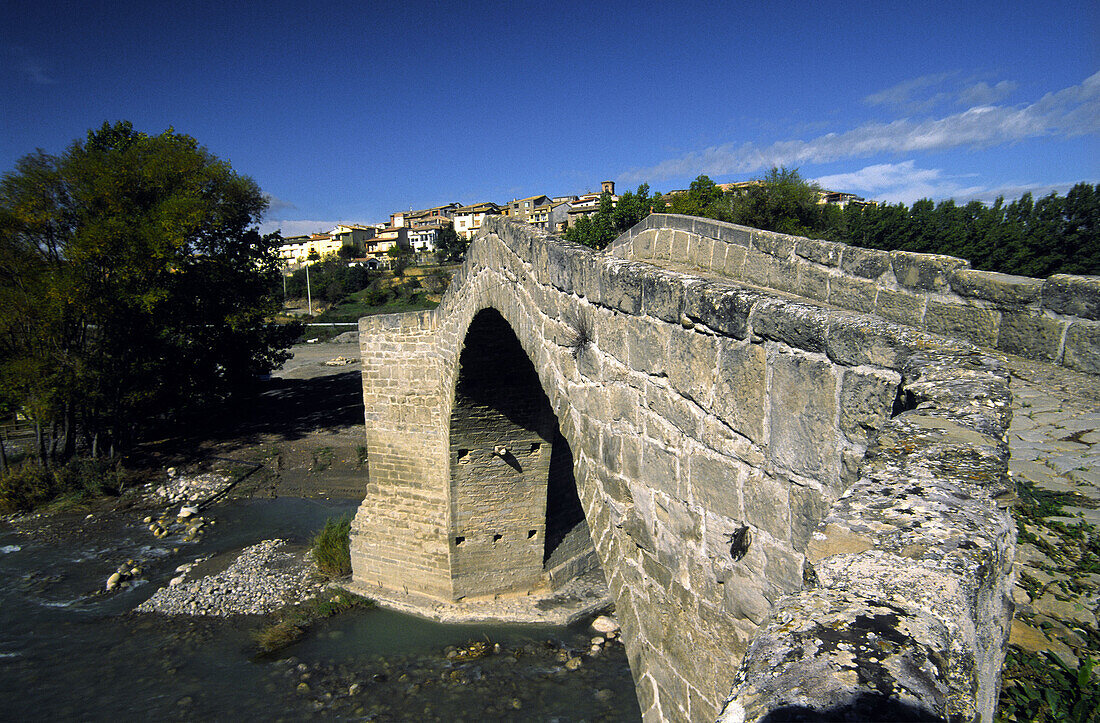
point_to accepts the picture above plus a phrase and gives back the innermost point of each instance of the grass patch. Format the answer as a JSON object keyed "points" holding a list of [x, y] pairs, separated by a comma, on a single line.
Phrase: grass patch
{"points": [[293, 623], [331, 549]]}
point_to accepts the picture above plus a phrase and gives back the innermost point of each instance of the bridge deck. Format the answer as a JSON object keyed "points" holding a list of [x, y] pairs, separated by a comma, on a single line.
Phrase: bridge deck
{"points": [[1055, 443]]}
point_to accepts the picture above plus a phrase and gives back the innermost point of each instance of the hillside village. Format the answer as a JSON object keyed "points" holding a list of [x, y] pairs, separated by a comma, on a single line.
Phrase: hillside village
{"points": [[419, 231]]}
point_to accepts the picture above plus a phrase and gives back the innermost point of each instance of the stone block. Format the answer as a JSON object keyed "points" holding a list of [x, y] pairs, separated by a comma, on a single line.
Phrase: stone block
{"points": [[865, 263], [763, 269], [734, 235], [718, 257], [680, 222], [722, 307], [642, 244], [927, 272], [813, 281], [715, 484], [779, 245], [826, 253], [558, 269], [735, 262], [619, 287], [663, 294], [963, 321], [692, 364], [900, 306], [1004, 290], [662, 243], [1073, 295], [1030, 333], [682, 413], [866, 402], [850, 292], [701, 252], [745, 599], [647, 345], [741, 388], [767, 503], [809, 505], [803, 414], [680, 242], [1083, 347], [797, 325], [661, 470]]}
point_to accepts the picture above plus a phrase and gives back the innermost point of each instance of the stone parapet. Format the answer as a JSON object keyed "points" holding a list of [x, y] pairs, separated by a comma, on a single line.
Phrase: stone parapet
{"points": [[1054, 320], [906, 608]]}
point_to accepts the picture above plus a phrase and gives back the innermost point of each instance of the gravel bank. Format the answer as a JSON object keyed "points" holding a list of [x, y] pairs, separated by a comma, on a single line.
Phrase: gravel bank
{"points": [[262, 579]]}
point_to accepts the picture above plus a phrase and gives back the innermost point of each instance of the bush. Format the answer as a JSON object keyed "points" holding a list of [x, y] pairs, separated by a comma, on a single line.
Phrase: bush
{"points": [[331, 547], [32, 485], [277, 636]]}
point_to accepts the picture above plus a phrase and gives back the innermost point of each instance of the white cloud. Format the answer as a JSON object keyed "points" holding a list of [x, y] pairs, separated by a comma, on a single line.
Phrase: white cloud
{"points": [[894, 182], [1068, 112], [904, 182], [905, 94], [983, 93], [276, 205], [298, 227]]}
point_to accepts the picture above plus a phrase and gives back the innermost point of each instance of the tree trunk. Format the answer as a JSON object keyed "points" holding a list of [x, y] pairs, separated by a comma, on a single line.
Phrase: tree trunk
{"points": [[3, 453], [40, 444]]}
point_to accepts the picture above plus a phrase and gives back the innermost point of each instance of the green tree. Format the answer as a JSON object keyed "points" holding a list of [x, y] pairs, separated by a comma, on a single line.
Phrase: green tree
{"points": [[400, 257], [780, 201], [134, 287], [451, 246]]}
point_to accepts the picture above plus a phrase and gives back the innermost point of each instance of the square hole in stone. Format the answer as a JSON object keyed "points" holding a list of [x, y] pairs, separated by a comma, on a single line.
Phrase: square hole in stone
{"points": [[496, 538], [463, 456], [531, 534], [535, 447], [459, 540]]}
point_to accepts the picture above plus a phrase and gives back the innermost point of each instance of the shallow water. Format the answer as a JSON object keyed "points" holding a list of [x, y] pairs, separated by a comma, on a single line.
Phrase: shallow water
{"points": [[66, 653]]}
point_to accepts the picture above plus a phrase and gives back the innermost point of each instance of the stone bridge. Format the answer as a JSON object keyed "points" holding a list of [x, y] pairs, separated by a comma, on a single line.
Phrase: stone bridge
{"points": [[786, 456]]}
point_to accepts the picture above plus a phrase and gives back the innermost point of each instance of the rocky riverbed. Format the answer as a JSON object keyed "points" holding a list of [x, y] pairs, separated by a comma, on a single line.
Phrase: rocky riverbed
{"points": [[263, 578]]}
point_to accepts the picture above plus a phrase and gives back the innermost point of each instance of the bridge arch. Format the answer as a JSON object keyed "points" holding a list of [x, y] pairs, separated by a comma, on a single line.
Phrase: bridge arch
{"points": [[720, 440]]}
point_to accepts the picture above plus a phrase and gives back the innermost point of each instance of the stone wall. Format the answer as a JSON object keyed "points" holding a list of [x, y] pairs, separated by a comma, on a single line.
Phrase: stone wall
{"points": [[715, 431], [1055, 320]]}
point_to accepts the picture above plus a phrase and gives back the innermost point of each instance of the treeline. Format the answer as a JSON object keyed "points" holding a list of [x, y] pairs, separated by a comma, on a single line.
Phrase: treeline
{"points": [[134, 290], [1054, 234]]}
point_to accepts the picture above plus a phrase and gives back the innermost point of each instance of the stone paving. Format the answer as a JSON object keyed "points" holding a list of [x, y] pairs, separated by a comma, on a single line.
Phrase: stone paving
{"points": [[1055, 444]]}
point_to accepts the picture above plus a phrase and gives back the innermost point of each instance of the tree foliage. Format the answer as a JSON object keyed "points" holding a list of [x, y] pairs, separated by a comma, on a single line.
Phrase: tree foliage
{"points": [[610, 219], [134, 286], [1028, 237], [451, 246], [330, 279]]}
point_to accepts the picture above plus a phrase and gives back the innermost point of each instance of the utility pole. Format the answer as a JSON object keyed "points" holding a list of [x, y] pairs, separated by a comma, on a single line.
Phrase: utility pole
{"points": [[309, 294]]}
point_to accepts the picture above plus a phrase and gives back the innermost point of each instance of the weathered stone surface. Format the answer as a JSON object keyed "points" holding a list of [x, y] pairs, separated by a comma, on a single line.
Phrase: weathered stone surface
{"points": [[1003, 289], [1073, 295], [663, 295], [779, 245], [864, 263], [803, 415], [739, 395], [826, 253], [693, 361], [973, 323], [1030, 333], [865, 402], [797, 325], [767, 498], [900, 306], [1083, 347], [929, 272], [716, 485], [853, 293]]}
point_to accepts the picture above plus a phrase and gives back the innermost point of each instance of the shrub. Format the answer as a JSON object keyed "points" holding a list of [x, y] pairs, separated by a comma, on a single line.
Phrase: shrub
{"points": [[33, 485], [277, 636], [331, 547]]}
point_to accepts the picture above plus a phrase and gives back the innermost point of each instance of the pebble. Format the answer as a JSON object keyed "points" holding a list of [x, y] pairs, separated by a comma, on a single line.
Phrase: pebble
{"points": [[263, 579]]}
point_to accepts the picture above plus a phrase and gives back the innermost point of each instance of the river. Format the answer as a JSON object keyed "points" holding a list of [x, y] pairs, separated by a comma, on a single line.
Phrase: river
{"points": [[69, 654]]}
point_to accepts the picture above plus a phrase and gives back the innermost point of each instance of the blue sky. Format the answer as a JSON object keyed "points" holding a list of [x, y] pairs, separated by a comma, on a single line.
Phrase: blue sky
{"points": [[350, 111]]}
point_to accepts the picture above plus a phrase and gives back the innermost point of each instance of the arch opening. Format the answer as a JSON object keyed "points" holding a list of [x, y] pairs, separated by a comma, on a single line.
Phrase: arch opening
{"points": [[513, 497]]}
